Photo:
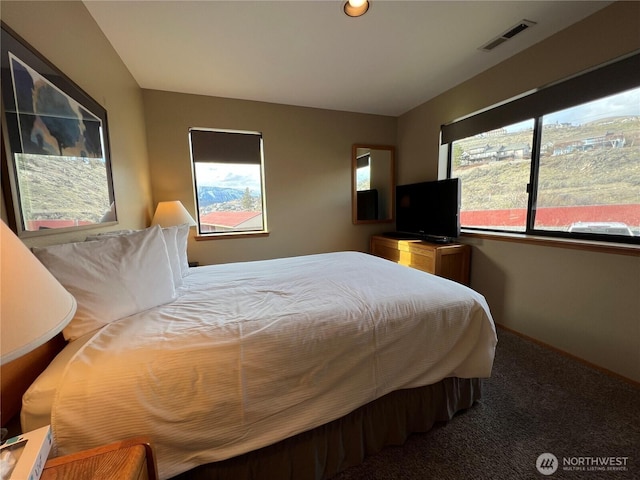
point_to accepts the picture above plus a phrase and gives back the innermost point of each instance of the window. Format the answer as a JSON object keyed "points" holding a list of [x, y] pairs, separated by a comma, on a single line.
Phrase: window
{"points": [[363, 172], [494, 168], [228, 174], [563, 161]]}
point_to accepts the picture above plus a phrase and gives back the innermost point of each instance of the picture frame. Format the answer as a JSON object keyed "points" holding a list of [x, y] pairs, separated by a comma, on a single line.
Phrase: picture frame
{"points": [[56, 165]]}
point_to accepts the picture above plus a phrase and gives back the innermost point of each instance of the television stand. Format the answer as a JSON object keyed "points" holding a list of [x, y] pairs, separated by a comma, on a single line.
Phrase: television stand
{"points": [[401, 236], [450, 260], [417, 236]]}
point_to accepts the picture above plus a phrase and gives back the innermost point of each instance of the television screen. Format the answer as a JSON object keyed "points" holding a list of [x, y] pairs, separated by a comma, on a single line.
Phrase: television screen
{"points": [[429, 210]]}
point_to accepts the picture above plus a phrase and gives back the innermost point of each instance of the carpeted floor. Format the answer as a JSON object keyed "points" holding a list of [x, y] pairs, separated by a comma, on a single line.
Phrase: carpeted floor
{"points": [[536, 401]]}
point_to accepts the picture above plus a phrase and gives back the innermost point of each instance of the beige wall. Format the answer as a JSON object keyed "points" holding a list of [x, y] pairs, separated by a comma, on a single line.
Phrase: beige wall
{"points": [[585, 303], [308, 170], [66, 34]]}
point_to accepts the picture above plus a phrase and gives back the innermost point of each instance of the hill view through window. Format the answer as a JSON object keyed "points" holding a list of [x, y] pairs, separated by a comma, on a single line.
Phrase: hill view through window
{"points": [[576, 170]]}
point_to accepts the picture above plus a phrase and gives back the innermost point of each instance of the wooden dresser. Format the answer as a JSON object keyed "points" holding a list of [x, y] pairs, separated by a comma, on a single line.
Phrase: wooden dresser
{"points": [[450, 260], [126, 460]]}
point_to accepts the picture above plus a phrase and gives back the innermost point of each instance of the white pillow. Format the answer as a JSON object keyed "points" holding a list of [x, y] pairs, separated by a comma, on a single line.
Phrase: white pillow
{"points": [[182, 238], [171, 241], [111, 278]]}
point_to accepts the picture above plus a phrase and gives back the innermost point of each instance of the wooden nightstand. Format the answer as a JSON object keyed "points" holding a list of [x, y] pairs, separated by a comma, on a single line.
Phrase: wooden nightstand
{"points": [[131, 459]]}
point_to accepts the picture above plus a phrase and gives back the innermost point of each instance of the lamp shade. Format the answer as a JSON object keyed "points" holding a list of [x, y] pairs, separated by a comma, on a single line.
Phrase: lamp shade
{"points": [[34, 306], [169, 214]]}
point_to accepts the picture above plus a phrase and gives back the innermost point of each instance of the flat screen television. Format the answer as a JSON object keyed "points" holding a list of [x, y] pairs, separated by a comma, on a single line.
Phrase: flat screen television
{"points": [[429, 210]]}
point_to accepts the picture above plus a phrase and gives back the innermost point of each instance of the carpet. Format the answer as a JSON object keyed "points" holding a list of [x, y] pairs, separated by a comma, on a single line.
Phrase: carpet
{"points": [[541, 411]]}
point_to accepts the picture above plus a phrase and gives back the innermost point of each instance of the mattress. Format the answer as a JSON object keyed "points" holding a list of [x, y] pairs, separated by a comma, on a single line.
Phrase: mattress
{"points": [[251, 353]]}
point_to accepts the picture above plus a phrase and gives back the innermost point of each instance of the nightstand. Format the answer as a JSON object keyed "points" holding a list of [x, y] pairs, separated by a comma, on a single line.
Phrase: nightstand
{"points": [[131, 459]]}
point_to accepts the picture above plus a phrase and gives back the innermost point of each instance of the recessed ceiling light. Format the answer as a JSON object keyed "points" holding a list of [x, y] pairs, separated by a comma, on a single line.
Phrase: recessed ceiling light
{"points": [[356, 8]]}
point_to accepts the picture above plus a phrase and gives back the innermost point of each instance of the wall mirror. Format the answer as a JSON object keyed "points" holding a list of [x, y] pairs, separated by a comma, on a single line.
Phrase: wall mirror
{"points": [[373, 183], [55, 149]]}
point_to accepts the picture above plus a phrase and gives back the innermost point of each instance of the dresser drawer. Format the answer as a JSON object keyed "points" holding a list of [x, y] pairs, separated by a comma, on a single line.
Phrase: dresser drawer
{"points": [[419, 260]]}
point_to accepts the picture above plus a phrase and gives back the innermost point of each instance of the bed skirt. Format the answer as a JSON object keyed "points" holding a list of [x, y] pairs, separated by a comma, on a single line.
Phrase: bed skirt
{"points": [[324, 451]]}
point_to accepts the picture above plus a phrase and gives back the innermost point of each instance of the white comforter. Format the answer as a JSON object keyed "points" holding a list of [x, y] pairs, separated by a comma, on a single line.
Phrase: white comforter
{"points": [[251, 353]]}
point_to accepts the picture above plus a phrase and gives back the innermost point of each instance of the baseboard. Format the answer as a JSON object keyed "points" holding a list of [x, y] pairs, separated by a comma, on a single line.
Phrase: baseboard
{"points": [[571, 356]]}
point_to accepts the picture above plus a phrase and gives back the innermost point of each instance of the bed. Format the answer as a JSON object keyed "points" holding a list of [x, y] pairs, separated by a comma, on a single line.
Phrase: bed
{"points": [[286, 368]]}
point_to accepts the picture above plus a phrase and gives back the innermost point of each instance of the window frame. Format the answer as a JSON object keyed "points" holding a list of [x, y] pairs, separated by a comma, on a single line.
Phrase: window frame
{"points": [[611, 78], [202, 235]]}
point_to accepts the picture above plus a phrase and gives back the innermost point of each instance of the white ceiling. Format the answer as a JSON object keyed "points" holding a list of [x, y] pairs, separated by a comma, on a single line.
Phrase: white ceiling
{"points": [[309, 53]]}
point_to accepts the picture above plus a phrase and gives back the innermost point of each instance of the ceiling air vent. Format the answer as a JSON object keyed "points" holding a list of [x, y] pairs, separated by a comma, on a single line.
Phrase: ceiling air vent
{"points": [[509, 34]]}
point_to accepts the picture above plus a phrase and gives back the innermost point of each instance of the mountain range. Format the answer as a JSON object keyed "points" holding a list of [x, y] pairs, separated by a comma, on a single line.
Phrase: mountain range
{"points": [[211, 195]]}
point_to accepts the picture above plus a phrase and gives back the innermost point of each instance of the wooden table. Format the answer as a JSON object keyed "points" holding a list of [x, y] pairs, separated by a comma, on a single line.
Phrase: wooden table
{"points": [[131, 459]]}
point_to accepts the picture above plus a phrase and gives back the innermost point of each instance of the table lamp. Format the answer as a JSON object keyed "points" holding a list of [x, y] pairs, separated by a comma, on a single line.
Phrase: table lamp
{"points": [[169, 214], [34, 306]]}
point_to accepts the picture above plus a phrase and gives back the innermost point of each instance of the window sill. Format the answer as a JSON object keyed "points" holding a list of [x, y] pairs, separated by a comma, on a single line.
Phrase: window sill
{"points": [[227, 236], [600, 247]]}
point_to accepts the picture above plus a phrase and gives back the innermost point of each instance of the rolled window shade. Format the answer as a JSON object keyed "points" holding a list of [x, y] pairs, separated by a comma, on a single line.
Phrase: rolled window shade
{"points": [[363, 160], [225, 147], [607, 80]]}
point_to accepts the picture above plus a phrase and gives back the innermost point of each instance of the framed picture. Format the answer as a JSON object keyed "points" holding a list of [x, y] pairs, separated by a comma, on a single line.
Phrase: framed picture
{"points": [[56, 166]]}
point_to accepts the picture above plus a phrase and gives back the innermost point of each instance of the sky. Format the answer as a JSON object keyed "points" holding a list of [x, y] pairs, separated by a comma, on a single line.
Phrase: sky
{"points": [[621, 104], [238, 176]]}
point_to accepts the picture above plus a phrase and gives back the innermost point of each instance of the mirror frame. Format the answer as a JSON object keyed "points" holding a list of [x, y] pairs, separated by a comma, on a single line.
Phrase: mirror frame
{"points": [[12, 137], [354, 183]]}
